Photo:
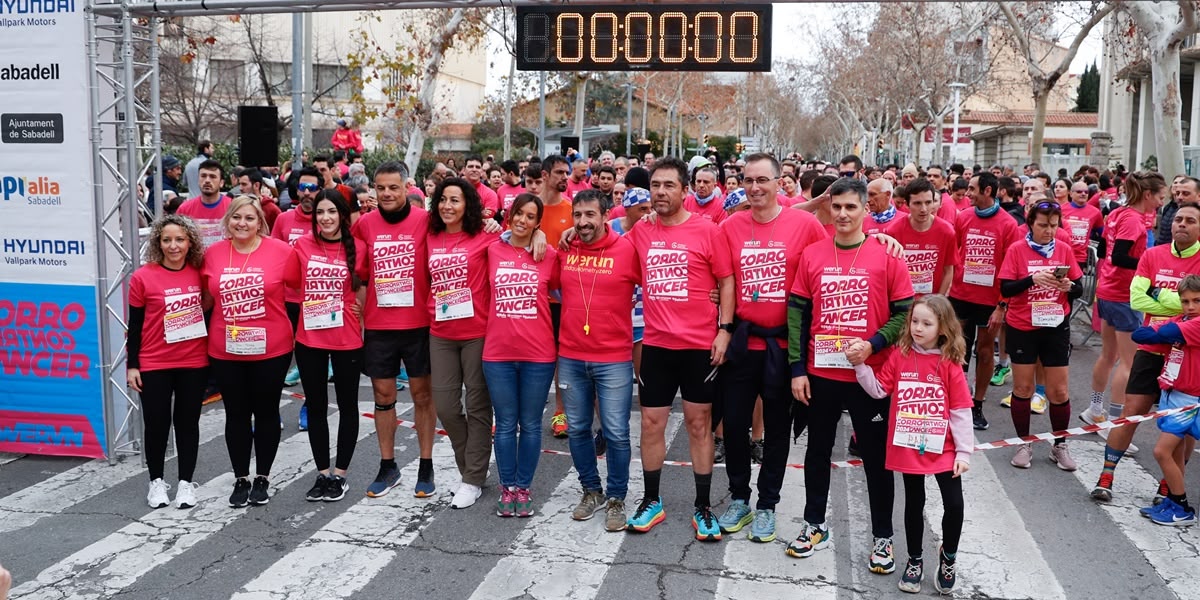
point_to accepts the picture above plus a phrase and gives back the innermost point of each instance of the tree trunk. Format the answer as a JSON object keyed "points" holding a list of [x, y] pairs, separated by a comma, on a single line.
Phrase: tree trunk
{"points": [[418, 126], [1168, 130], [940, 126], [580, 106], [1041, 101]]}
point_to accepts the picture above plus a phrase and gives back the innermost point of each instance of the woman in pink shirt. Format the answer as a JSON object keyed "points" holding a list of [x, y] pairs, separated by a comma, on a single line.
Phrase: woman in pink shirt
{"points": [[251, 342], [166, 351], [519, 352], [323, 266], [459, 302]]}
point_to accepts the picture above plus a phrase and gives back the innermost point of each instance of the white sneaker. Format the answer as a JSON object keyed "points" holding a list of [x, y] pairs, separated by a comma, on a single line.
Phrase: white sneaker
{"points": [[157, 496], [1038, 404], [465, 495], [1090, 417], [185, 496], [1132, 450]]}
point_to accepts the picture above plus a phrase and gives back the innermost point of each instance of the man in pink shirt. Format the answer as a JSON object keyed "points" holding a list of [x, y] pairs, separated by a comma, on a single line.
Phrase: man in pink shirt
{"points": [[706, 199], [209, 207], [473, 172], [595, 369], [683, 257], [578, 181], [511, 186]]}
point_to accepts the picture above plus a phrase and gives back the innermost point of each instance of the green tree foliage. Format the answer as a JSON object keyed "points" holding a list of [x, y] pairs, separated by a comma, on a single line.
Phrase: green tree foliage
{"points": [[1088, 98]]}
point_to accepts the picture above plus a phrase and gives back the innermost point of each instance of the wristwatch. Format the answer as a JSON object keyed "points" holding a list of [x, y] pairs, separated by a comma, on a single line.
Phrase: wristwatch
{"points": [[1003, 305], [728, 327]]}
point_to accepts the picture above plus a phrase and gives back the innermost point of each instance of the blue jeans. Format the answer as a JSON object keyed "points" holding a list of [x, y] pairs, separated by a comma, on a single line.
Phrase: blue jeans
{"points": [[582, 383], [519, 391]]}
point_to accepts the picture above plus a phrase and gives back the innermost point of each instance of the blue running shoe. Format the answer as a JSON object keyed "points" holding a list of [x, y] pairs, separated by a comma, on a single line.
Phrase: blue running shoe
{"points": [[1148, 511], [303, 418], [705, 525], [402, 379], [292, 377], [1173, 514], [763, 528], [330, 378], [424, 488], [735, 517], [648, 514], [388, 478]]}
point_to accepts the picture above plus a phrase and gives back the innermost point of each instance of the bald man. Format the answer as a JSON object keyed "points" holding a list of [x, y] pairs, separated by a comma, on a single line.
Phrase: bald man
{"points": [[879, 204]]}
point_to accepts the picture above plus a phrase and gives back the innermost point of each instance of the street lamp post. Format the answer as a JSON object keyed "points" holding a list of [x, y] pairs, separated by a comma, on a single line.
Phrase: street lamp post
{"points": [[628, 117], [703, 118]]}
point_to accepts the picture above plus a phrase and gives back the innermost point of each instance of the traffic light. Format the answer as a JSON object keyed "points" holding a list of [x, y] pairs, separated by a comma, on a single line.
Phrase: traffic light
{"points": [[706, 140], [739, 147], [879, 144]]}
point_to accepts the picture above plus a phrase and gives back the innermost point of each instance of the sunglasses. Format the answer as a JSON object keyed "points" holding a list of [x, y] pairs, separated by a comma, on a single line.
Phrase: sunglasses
{"points": [[307, 187], [1050, 206], [847, 174]]}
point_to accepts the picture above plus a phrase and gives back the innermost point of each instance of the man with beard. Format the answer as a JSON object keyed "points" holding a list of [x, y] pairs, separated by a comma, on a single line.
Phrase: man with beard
{"points": [[396, 322], [210, 206], [556, 218]]}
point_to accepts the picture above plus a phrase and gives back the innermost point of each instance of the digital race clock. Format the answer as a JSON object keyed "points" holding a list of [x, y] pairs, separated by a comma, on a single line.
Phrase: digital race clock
{"points": [[651, 38]]}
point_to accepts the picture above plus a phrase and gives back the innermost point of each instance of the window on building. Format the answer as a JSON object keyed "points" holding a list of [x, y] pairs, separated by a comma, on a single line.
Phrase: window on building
{"points": [[279, 76], [333, 81], [228, 77]]}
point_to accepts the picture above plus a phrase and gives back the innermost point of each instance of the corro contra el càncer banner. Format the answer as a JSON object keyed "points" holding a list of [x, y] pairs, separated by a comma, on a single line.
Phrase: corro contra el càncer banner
{"points": [[50, 375]]}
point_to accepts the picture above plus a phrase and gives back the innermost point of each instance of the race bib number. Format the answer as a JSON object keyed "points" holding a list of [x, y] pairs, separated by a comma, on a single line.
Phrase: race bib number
{"points": [[828, 352], [210, 232], [920, 433], [394, 264], [184, 318], [245, 341], [1046, 314], [326, 313], [1170, 371], [979, 268], [453, 305]]}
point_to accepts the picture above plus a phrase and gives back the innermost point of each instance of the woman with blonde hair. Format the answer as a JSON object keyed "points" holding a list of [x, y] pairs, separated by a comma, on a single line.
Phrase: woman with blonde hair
{"points": [[251, 342], [166, 360]]}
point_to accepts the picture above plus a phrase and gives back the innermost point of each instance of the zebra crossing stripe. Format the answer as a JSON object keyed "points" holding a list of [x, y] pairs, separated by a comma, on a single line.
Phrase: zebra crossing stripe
{"points": [[556, 557], [62, 491], [105, 568]]}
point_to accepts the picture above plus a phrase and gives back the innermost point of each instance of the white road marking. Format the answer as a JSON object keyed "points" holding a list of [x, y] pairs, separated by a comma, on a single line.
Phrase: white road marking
{"points": [[1170, 550], [7, 457], [360, 542], [557, 557], [105, 568], [57, 494], [1000, 558], [765, 571]]}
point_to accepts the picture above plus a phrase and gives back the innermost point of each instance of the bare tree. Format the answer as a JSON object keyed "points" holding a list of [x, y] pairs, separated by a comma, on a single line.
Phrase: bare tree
{"points": [[1165, 26], [1026, 20]]}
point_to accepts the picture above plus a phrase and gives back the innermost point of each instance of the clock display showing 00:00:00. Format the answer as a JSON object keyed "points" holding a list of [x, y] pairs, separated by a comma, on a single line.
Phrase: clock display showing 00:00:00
{"points": [[718, 40]]}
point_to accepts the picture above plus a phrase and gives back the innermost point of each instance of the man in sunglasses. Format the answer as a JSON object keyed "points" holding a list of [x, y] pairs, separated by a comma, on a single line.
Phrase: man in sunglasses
{"points": [[850, 166], [1082, 221]]}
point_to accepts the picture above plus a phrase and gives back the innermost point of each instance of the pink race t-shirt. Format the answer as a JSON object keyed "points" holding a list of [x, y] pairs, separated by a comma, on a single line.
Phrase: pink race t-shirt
{"points": [[713, 211], [1080, 222], [507, 193], [1188, 380], [680, 266], [488, 198], [289, 227], [871, 227], [924, 388], [948, 212], [981, 247], [249, 321], [927, 253], [574, 187], [765, 256], [519, 328], [598, 283], [1122, 224], [173, 335], [851, 293], [1165, 270], [1037, 306], [207, 218], [397, 290], [459, 294], [319, 268]]}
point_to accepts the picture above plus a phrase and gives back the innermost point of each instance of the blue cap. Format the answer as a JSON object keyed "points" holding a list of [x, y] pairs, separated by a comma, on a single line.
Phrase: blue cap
{"points": [[634, 197], [734, 198]]}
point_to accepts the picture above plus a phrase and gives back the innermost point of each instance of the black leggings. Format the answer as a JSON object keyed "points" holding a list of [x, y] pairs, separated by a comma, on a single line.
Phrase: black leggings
{"points": [[251, 388], [314, 364], [914, 511], [870, 419], [159, 413]]}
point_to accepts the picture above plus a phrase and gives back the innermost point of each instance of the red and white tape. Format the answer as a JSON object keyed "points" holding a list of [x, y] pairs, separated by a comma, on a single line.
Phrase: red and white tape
{"points": [[846, 464]]}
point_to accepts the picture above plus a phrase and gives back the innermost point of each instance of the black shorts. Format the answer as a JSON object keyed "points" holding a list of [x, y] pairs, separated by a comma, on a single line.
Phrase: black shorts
{"points": [[665, 372], [971, 314], [1052, 345], [1143, 374], [386, 350]]}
